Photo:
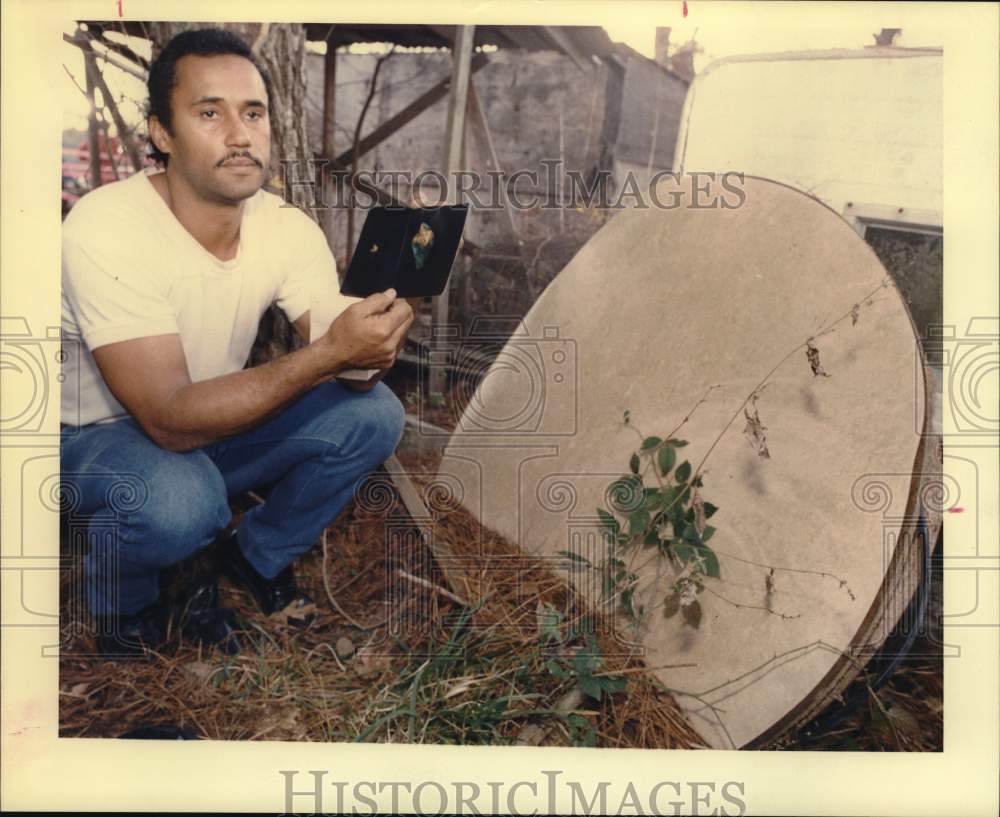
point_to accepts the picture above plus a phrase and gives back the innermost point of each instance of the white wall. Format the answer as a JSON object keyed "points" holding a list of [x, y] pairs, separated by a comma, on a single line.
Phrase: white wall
{"points": [[846, 127]]}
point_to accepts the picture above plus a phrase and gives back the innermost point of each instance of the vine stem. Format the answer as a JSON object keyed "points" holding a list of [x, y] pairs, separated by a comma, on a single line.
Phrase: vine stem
{"points": [[715, 710], [776, 656], [867, 300], [700, 696], [750, 606], [825, 330], [823, 573]]}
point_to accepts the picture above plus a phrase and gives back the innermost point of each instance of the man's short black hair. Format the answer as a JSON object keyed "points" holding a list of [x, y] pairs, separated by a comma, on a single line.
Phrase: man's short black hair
{"points": [[202, 42]]}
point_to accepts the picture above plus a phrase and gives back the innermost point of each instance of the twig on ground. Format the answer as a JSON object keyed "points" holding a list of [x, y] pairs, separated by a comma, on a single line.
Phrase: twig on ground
{"points": [[333, 601], [431, 586]]}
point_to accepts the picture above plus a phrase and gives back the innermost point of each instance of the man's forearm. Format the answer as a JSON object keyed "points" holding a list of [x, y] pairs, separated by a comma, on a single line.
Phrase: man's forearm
{"points": [[200, 413]]}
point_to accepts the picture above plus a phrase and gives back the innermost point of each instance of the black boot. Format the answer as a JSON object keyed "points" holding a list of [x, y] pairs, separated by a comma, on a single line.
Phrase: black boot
{"points": [[202, 620], [131, 636], [280, 594]]}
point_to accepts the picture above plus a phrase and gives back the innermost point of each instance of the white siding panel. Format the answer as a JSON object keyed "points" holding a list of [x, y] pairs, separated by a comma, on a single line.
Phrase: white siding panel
{"points": [[864, 130]]}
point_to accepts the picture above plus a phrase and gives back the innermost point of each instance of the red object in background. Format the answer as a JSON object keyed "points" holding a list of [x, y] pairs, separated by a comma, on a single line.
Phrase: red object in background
{"points": [[76, 168], [684, 9]]}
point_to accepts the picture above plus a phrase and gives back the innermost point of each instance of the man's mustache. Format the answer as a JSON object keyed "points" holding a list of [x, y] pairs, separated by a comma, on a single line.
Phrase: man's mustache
{"points": [[242, 154]]}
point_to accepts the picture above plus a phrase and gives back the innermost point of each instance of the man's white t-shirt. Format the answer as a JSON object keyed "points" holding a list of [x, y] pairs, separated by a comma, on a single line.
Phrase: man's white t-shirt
{"points": [[131, 270]]}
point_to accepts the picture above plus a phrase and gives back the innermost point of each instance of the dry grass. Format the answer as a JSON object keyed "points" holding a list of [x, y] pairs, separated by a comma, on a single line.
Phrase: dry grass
{"points": [[425, 668]]}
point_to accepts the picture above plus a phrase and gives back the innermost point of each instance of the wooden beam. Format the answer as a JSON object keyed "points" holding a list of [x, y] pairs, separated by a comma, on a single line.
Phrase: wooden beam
{"points": [[352, 172], [418, 511], [329, 129], [458, 95], [566, 45], [408, 114], [329, 98], [481, 128], [455, 130]]}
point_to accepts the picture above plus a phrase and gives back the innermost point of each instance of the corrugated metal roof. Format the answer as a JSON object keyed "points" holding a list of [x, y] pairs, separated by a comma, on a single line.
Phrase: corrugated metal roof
{"points": [[584, 40], [582, 43]]}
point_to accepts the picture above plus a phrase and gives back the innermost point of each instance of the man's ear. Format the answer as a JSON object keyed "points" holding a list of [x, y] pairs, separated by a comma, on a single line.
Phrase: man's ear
{"points": [[159, 135]]}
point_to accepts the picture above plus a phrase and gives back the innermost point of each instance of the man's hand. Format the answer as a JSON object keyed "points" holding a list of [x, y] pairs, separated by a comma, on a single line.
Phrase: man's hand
{"points": [[149, 376], [369, 334]]}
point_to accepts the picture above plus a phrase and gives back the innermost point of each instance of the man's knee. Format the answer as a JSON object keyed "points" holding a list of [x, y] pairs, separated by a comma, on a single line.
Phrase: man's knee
{"points": [[386, 419], [185, 506], [368, 424]]}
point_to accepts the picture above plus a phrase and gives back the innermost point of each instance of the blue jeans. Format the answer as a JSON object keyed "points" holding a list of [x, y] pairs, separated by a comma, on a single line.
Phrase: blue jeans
{"points": [[164, 506]]}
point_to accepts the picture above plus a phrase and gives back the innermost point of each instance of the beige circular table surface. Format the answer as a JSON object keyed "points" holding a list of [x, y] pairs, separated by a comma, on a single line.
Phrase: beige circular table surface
{"points": [[664, 307]]}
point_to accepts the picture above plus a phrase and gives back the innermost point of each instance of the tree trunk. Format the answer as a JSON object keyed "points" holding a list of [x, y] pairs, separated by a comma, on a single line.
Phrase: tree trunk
{"points": [[281, 48]]}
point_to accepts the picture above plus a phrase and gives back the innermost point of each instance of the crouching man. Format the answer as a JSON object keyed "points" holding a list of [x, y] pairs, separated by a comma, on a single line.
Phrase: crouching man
{"points": [[165, 278]]}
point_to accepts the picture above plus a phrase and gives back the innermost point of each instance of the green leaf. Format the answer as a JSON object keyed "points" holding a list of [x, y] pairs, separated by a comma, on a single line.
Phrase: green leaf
{"points": [[651, 442], [638, 522], [556, 670], [684, 551], [668, 494], [623, 493], [612, 684], [712, 565], [549, 620], [707, 533], [586, 663], [671, 605], [677, 443], [591, 686], [683, 472], [608, 521], [692, 614], [581, 731], [652, 537], [576, 557], [711, 561], [689, 552], [626, 417], [710, 510], [633, 464], [666, 459]]}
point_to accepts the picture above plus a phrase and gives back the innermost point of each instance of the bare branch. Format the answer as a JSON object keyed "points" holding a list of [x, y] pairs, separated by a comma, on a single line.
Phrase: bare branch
{"points": [[357, 138], [84, 42], [77, 84]]}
